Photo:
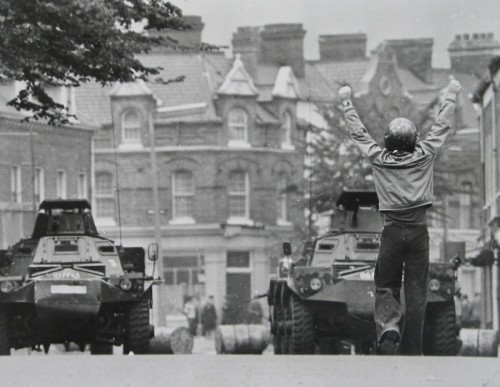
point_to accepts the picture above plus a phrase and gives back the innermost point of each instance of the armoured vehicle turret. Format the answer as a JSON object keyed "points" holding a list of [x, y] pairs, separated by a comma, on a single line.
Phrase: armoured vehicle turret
{"points": [[67, 283], [322, 298]]}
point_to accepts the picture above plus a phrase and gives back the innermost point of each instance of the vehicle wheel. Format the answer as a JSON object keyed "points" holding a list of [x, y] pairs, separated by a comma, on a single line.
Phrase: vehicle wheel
{"points": [[440, 331], [276, 334], [137, 328], [284, 330], [302, 327], [4, 334], [101, 349]]}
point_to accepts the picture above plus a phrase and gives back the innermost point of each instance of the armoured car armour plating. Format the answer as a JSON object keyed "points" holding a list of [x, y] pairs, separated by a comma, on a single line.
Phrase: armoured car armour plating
{"points": [[322, 299], [68, 284]]}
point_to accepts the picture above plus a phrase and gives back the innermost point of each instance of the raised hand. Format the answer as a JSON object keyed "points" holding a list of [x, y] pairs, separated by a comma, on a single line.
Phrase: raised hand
{"points": [[454, 87], [345, 93]]}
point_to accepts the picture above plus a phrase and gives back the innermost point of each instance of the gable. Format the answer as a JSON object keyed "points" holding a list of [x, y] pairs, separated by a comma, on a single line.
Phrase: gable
{"points": [[238, 81], [285, 85]]}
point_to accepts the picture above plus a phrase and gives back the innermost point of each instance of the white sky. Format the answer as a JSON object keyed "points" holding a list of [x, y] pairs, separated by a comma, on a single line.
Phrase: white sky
{"points": [[379, 19]]}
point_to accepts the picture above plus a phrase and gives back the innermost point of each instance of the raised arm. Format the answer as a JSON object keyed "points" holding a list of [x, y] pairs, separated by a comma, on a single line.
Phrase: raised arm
{"points": [[442, 126], [357, 130]]}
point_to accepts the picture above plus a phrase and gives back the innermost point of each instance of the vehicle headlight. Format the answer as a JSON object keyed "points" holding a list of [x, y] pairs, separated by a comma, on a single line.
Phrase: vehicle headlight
{"points": [[434, 285], [315, 284], [6, 287], [125, 284]]}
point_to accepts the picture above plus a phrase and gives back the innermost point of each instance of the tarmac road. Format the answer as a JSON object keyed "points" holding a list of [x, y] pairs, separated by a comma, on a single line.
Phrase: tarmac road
{"points": [[205, 368]]}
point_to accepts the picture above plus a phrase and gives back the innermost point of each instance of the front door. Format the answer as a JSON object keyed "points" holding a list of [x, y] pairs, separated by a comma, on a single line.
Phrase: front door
{"points": [[238, 286]]}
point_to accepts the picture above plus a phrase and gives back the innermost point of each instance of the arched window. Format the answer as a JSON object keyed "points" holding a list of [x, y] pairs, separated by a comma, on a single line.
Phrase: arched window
{"points": [[238, 195], [183, 194], [131, 127], [286, 130], [238, 126], [104, 195], [281, 204]]}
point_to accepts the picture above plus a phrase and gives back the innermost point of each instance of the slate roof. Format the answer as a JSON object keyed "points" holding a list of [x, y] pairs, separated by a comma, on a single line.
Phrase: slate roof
{"points": [[203, 75], [341, 73]]}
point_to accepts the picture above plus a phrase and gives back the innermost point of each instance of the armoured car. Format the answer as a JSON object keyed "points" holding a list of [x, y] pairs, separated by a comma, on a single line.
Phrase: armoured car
{"points": [[67, 283], [321, 300]]}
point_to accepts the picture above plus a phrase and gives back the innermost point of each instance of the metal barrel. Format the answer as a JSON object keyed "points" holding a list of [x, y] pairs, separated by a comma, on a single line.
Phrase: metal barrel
{"points": [[479, 342], [172, 341], [241, 339]]}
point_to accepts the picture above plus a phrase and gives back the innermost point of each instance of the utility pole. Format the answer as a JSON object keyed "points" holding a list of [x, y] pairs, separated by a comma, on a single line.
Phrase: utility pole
{"points": [[157, 232], [33, 173]]}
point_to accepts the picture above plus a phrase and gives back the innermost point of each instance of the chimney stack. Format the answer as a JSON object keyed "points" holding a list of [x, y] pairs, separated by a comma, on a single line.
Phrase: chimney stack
{"points": [[246, 42], [342, 47], [283, 45], [472, 53], [190, 37], [414, 55]]}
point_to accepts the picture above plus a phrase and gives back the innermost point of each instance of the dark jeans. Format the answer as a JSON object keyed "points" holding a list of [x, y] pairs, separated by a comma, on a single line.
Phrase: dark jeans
{"points": [[403, 249]]}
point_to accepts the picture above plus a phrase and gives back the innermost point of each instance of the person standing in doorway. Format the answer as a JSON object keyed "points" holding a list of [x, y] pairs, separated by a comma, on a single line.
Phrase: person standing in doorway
{"points": [[403, 177], [208, 317], [190, 311]]}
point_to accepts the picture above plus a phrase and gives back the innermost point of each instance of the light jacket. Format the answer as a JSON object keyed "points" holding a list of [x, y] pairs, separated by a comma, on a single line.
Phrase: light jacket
{"points": [[403, 180]]}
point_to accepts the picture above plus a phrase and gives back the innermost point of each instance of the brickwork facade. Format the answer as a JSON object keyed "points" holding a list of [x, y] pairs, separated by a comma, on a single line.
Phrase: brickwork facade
{"points": [[39, 162]]}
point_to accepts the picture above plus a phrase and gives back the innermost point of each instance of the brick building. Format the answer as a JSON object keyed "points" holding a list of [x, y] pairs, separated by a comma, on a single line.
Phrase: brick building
{"points": [[488, 105], [226, 148], [227, 141], [37, 162]]}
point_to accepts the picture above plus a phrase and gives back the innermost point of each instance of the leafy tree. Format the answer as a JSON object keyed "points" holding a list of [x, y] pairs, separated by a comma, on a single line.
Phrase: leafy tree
{"points": [[66, 43]]}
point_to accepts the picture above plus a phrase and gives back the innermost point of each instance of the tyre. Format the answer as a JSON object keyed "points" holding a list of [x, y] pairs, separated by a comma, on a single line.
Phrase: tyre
{"points": [[440, 331], [284, 330], [276, 334], [302, 327], [4, 334], [101, 349], [137, 328]]}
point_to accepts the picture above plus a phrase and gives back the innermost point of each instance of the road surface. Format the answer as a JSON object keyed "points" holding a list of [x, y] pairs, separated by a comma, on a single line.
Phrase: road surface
{"points": [[205, 368]]}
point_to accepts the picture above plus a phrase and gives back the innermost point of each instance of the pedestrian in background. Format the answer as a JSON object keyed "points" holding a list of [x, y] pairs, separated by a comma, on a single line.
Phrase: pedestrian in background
{"points": [[190, 311], [475, 312], [208, 317], [466, 311], [403, 177]]}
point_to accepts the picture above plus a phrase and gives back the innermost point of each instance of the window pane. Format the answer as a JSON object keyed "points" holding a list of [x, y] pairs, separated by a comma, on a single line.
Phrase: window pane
{"points": [[182, 277], [188, 261], [286, 129], [183, 194], [237, 206], [103, 184], [238, 259], [168, 277], [131, 127], [237, 182], [61, 185], [183, 206], [237, 124], [82, 186], [282, 198], [184, 182], [105, 207]]}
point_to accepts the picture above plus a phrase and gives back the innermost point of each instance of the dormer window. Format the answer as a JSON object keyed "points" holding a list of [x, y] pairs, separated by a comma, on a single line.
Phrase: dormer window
{"points": [[238, 127], [286, 131], [131, 127]]}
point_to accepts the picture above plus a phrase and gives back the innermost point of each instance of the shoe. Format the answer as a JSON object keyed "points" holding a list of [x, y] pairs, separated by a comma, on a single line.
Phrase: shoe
{"points": [[389, 343]]}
